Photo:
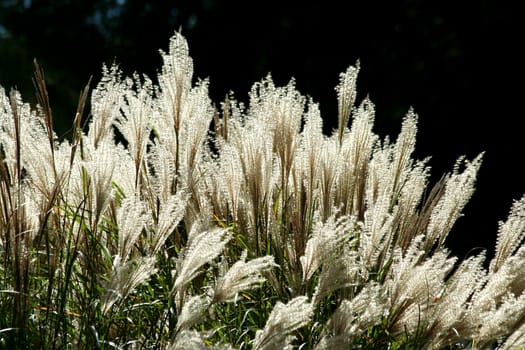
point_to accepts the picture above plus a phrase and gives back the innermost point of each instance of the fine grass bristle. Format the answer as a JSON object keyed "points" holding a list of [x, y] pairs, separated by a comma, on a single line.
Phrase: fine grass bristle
{"points": [[152, 228]]}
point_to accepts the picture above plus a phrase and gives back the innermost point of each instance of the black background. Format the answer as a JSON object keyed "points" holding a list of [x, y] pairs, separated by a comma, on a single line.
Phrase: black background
{"points": [[458, 63]]}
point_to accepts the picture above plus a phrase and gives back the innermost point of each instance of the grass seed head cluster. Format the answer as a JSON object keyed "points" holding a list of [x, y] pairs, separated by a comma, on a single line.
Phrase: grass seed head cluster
{"points": [[166, 222]]}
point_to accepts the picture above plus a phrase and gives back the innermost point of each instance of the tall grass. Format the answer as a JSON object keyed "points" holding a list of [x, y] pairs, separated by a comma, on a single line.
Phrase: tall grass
{"points": [[167, 223]]}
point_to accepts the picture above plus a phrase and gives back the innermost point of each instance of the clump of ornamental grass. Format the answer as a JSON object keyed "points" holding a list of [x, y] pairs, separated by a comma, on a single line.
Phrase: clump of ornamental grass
{"points": [[167, 223]]}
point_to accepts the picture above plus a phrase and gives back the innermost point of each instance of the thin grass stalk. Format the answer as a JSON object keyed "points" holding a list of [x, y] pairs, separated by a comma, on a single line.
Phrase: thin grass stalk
{"points": [[43, 100], [7, 205], [20, 263], [76, 130]]}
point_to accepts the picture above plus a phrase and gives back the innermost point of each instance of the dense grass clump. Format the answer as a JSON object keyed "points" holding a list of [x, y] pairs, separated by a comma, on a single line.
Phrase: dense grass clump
{"points": [[167, 223]]}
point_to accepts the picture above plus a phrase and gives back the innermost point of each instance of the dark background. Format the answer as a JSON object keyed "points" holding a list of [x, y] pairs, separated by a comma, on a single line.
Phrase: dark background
{"points": [[458, 63]]}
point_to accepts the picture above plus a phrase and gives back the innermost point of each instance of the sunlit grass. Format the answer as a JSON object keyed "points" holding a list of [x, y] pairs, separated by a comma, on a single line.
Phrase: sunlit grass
{"points": [[167, 222]]}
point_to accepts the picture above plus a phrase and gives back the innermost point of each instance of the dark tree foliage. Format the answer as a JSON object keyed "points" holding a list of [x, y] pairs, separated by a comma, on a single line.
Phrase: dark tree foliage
{"points": [[457, 63]]}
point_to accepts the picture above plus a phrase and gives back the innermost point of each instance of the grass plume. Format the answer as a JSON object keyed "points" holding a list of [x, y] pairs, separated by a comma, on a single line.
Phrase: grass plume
{"points": [[167, 223]]}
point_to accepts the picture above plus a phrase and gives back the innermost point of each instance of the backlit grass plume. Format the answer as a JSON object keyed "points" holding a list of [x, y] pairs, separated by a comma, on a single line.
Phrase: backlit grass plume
{"points": [[171, 222]]}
